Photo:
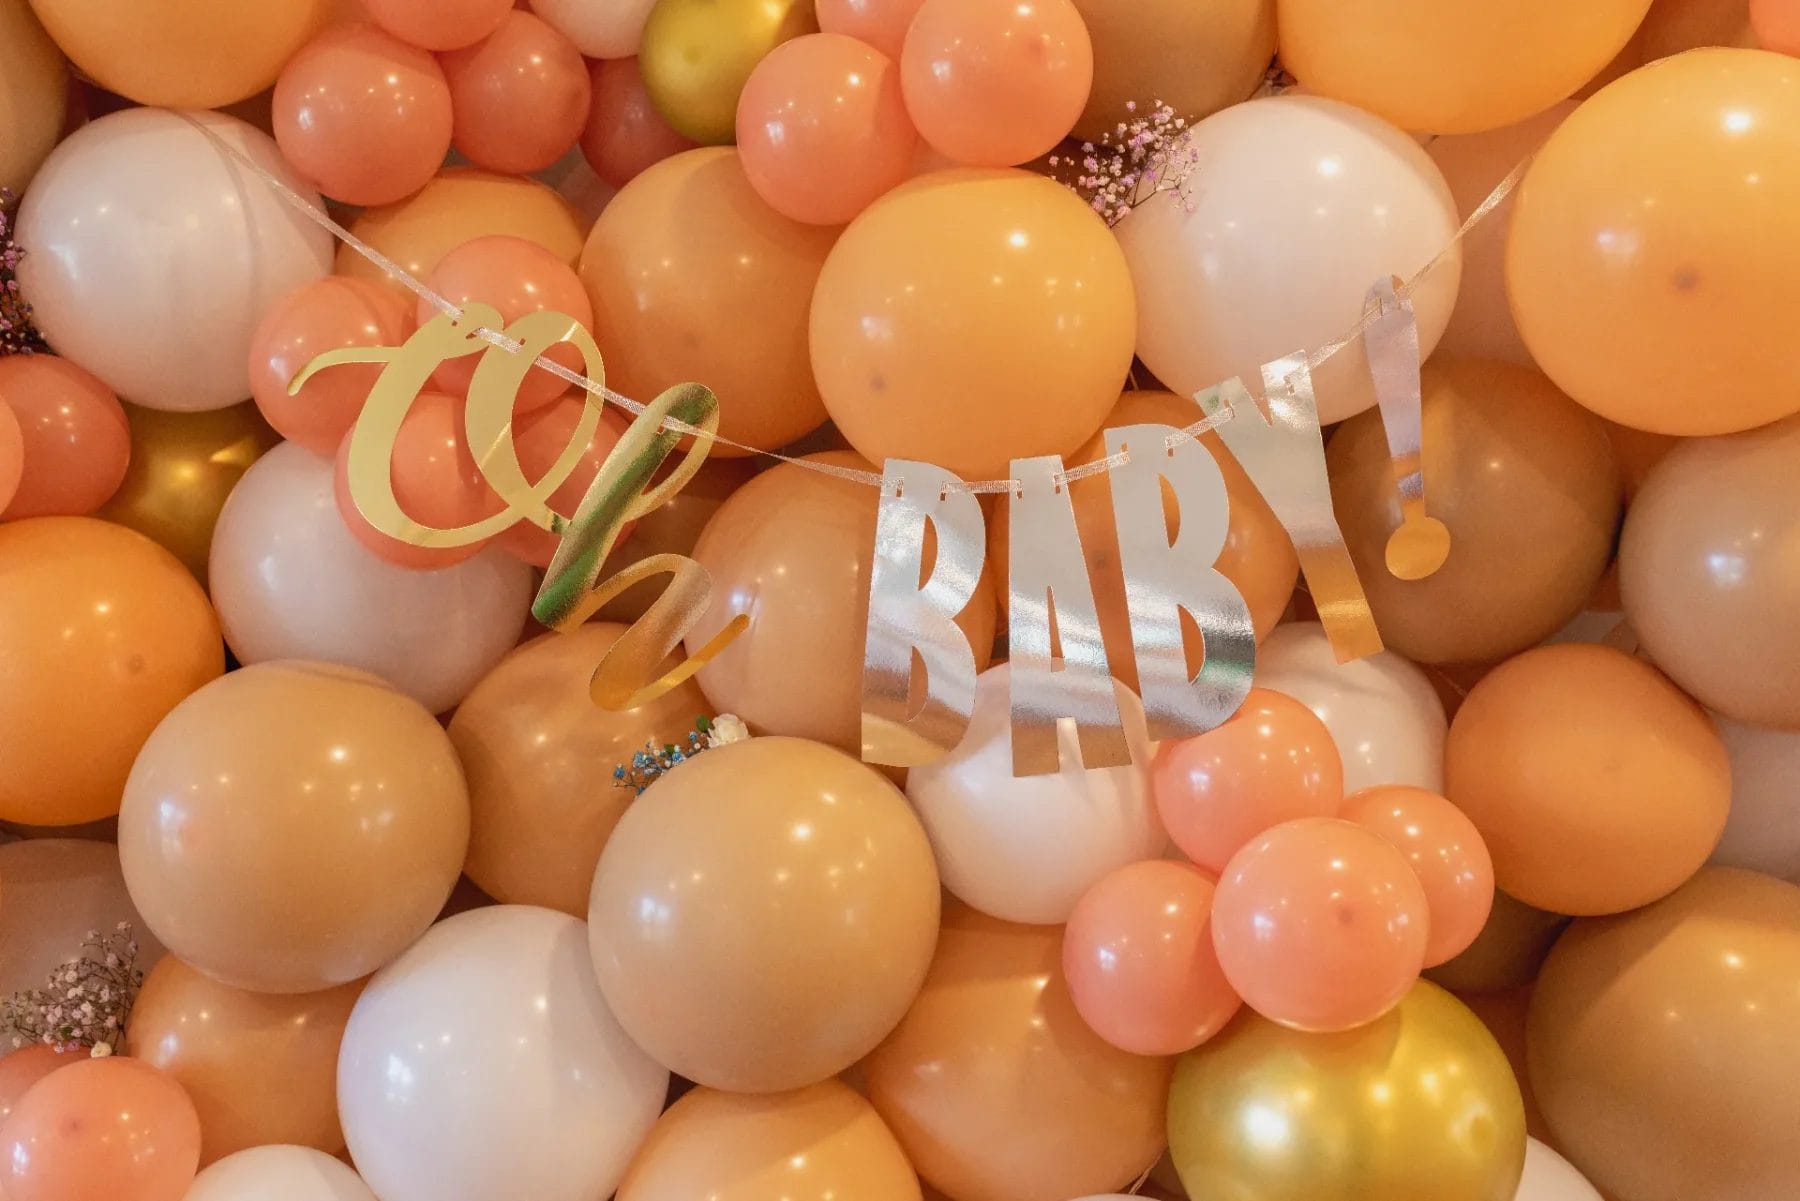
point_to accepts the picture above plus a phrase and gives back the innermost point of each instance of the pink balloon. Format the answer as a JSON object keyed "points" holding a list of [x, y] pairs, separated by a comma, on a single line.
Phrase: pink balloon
{"points": [[822, 128], [438, 24], [112, 1129], [996, 83], [436, 483], [521, 96], [1446, 853], [329, 314], [624, 133], [1138, 956], [74, 440], [1320, 925], [880, 23], [540, 439]]}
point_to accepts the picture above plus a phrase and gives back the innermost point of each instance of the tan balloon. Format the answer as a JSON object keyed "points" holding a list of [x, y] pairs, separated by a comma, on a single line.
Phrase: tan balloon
{"points": [[996, 1088], [673, 529], [1525, 480], [260, 1068], [293, 826], [1506, 954], [1195, 58], [34, 94], [1672, 26], [823, 1141], [764, 914], [792, 548], [539, 758], [1663, 1043]]}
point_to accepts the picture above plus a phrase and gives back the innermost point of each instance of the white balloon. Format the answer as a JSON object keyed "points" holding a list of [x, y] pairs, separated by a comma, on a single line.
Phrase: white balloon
{"points": [[291, 582], [151, 256], [1299, 205], [484, 1064], [599, 28], [1762, 831], [1550, 1177], [1382, 712], [53, 892], [278, 1173], [1024, 848]]}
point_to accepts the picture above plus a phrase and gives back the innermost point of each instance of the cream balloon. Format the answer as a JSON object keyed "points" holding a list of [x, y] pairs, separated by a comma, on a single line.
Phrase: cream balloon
{"points": [[1382, 711], [278, 1173], [484, 1063], [53, 891], [1024, 848], [151, 255], [1297, 205], [291, 582], [1550, 1177], [599, 28], [1762, 831]]}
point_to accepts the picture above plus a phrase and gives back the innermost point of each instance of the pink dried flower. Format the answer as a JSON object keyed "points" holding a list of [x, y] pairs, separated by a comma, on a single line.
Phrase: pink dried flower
{"points": [[85, 1002], [17, 334], [1135, 161]]}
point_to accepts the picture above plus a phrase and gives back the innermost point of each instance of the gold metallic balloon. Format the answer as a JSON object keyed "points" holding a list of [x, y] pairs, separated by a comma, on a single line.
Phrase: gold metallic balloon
{"points": [[696, 55], [1420, 1105], [183, 466]]}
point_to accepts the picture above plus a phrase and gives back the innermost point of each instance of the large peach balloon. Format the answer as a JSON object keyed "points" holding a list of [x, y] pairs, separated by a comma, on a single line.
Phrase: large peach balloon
{"points": [[328, 314], [34, 94], [1596, 784], [1655, 246], [1662, 1043], [820, 1141], [54, 892], [1195, 58], [75, 443], [996, 1088], [1526, 484], [970, 317], [259, 1068], [293, 826], [102, 632], [1446, 853], [521, 95], [111, 1129], [764, 915]]}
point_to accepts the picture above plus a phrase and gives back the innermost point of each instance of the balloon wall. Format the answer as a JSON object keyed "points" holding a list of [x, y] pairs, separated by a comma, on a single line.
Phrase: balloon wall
{"points": [[904, 600]]}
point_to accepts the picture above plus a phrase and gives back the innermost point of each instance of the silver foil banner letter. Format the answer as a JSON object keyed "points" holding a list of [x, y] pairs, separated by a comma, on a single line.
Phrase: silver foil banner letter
{"points": [[1421, 544]]}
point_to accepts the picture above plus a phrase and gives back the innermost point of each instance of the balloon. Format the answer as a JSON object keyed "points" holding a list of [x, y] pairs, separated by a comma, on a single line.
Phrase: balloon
{"points": [[539, 757], [333, 313], [1550, 1177], [1596, 784], [1646, 282], [599, 28], [1706, 582], [1195, 58], [362, 115], [290, 581], [1138, 956], [1662, 1043], [1672, 26], [110, 1129], [21, 1069], [1433, 68], [1526, 483], [226, 244], [484, 1063], [1506, 954], [696, 55], [74, 441], [1762, 831], [1777, 25], [438, 24], [673, 528], [880, 23], [279, 1174], [1504, 1014], [53, 893], [12, 454], [693, 277], [101, 633], [822, 1141], [293, 826], [1387, 722], [1447, 855], [1255, 272], [794, 547], [763, 918], [1419, 1106], [1272, 761], [183, 466], [517, 277], [461, 203], [625, 134], [34, 94], [995, 83], [258, 1068], [539, 439], [996, 1088], [920, 354], [521, 96], [181, 53]]}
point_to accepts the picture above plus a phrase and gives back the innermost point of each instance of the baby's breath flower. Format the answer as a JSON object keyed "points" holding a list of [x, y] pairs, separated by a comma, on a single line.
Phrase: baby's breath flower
{"points": [[85, 1002], [1136, 160], [17, 334]]}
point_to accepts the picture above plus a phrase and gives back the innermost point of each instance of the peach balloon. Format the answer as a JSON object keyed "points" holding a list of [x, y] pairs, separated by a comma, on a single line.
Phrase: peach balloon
{"points": [[1270, 762], [435, 481], [1650, 283], [1320, 925], [539, 439], [624, 134], [1138, 956], [1777, 25], [971, 317], [1446, 853], [438, 24], [34, 94], [362, 115], [880, 23], [330, 314], [521, 96], [673, 528], [517, 277], [1195, 58], [75, 443], [1597, 786], [260, 1069], [22, 1068], [110, 1129]]}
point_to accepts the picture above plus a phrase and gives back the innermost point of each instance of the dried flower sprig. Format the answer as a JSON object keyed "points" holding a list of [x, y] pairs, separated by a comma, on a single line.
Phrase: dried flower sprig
{"points": [[85, 1002], [1133, 161], [17, 334], [654, 761], [1276, 80]]}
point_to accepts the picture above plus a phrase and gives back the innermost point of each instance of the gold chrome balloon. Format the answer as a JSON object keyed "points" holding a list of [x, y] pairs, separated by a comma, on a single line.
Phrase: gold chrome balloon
{"points": [[696, 55], [1420, 1105]]}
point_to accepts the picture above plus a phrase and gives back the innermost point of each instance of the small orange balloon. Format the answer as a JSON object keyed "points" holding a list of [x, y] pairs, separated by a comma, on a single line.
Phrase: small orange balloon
{"points": [[1446, 853], [75, 443], [625, 134], [880, 23], [111, 1129], [521, 95], [329, 314]]}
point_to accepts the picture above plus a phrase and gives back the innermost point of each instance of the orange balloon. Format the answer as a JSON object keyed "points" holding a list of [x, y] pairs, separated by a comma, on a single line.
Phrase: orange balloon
{"points": [[75, 442], [624, 134], [110, 1129], [672, 529], [880, 23], [971, 317], [1777, 25], [12, 454], [1446, 853], [539, 439], [822, 1141], [995, 1087], [1195, 58], [1655, 246], [438, 24], [521, 95], [21, 1069], [328, 314], [102, 632], [794, 548], [1596, 784], [260, 1069], [517, 277], [34, 94], [1506, 954]]}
